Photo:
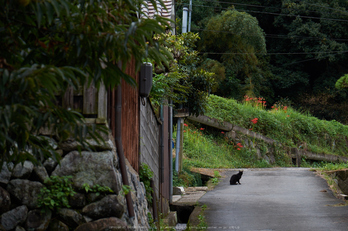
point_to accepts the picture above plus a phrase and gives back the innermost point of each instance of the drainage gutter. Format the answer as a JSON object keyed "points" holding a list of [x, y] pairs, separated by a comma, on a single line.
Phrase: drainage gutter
{"points": [[119, 146]]}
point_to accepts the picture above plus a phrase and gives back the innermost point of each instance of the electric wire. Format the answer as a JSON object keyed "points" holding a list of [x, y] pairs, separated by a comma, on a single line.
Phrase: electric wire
{"points": [[271, 13], [273, 7], [274, 53], [280, 36]]}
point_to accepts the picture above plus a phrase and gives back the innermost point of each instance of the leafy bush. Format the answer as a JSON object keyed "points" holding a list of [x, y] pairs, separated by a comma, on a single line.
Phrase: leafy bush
{"points": [[146, 175], [96, 189], [186, 178], [56, 193]]}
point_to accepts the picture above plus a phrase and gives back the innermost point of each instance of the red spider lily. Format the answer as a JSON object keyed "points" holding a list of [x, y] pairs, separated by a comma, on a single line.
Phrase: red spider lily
{"points": [[240, 145], [202, 129], [238, 149], [254, 121], [184, 131], [185, 125], [250, 129], [222, 133]]}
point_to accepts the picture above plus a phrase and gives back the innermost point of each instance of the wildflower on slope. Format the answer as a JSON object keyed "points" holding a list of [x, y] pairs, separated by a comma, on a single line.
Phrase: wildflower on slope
{"points": [[254, 121]]}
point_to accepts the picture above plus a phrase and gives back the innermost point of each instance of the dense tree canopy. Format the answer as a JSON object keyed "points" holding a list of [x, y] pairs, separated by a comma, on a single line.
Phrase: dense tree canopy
{"points": [[186, 82], [49, 45], [306, 50], [236, 40]]}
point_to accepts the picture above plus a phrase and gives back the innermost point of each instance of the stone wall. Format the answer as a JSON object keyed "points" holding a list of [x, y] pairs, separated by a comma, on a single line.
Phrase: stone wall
{"points": [[21, 184], [341, 179]]}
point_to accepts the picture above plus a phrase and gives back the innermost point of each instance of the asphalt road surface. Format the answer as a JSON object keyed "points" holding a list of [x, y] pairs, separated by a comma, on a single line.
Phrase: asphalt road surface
{"points": [[274, 199]]}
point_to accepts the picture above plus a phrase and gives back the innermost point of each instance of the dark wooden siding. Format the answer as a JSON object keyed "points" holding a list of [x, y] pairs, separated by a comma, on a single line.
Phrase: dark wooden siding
{"points": [[130, 119]]}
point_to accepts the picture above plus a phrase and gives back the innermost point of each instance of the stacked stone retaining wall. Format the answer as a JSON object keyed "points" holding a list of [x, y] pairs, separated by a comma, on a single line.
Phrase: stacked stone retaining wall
{"points": [[21, 184]]}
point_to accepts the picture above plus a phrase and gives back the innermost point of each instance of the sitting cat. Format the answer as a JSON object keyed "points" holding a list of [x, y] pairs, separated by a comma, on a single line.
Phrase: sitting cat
{"points": [[236, 177]]}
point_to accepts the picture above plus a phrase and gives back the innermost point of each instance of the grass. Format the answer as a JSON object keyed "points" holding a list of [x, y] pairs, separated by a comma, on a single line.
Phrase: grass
{"points": [[283, 124], [205, 148], [333, 167]]}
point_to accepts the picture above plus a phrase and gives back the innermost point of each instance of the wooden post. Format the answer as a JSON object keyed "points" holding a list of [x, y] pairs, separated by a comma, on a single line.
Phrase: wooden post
{"points": [[89, 101], [102, 105], [68, 98], [296, 153]]}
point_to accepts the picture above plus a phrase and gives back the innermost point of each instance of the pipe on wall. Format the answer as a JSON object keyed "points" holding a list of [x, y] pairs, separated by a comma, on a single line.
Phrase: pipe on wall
{"points": [[119, 146], [161, 155]]}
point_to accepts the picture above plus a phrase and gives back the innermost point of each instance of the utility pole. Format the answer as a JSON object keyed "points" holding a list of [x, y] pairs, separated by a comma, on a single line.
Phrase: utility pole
{"points": [[190, 13], [184, 20], [179, 134]]}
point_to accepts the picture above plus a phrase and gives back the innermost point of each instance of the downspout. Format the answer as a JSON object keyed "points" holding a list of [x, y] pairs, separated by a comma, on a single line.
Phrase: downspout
{"points": [[161, 156], [119, 146]]}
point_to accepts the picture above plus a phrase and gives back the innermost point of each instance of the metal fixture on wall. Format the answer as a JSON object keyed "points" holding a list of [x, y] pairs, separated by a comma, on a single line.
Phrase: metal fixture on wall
{"points": [[145, 81]]}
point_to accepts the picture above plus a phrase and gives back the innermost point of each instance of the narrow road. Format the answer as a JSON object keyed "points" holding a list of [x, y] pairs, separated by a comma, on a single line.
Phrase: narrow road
{"points": [[274, 199]]}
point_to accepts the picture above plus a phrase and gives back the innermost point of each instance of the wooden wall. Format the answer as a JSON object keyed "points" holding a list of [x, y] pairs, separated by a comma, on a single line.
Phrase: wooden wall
{"points": [[130, 118]]}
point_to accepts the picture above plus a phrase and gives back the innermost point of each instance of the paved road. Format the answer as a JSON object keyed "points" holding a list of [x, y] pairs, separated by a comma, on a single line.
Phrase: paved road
{"points": [[274, 199]]}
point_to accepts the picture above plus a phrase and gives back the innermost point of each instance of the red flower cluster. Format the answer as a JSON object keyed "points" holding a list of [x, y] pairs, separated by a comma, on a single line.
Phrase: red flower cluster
{"points": [[280, 107], [239, 146], [202, 129], [254, 121], [258, 102]]}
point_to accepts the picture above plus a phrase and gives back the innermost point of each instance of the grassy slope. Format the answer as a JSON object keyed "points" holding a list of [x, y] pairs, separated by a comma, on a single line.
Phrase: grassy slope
{"points": [[204, 148]]}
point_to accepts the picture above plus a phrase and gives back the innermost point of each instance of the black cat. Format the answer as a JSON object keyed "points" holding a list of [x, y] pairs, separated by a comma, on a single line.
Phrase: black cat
{"points": [[236, 178]]}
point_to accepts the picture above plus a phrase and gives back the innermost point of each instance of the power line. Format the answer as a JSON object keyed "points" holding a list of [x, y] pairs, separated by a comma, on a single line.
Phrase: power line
{"points": [[273, 7], [271, 13], [274, 35], [284, 53]]}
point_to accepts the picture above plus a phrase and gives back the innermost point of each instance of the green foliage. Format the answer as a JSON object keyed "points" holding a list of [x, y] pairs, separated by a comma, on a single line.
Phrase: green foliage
{"points": [[342, 82], [237, 41], [206, 147], [217, 174], [288, 127], [186, 178], [98, 189], [48, 46], [26, 107], [332, 166], [306, 50], [151, 222], [125, 190], [202, 225], [54, 195], [217, 68], [146, 175], [215, 180], [183, 83]]}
